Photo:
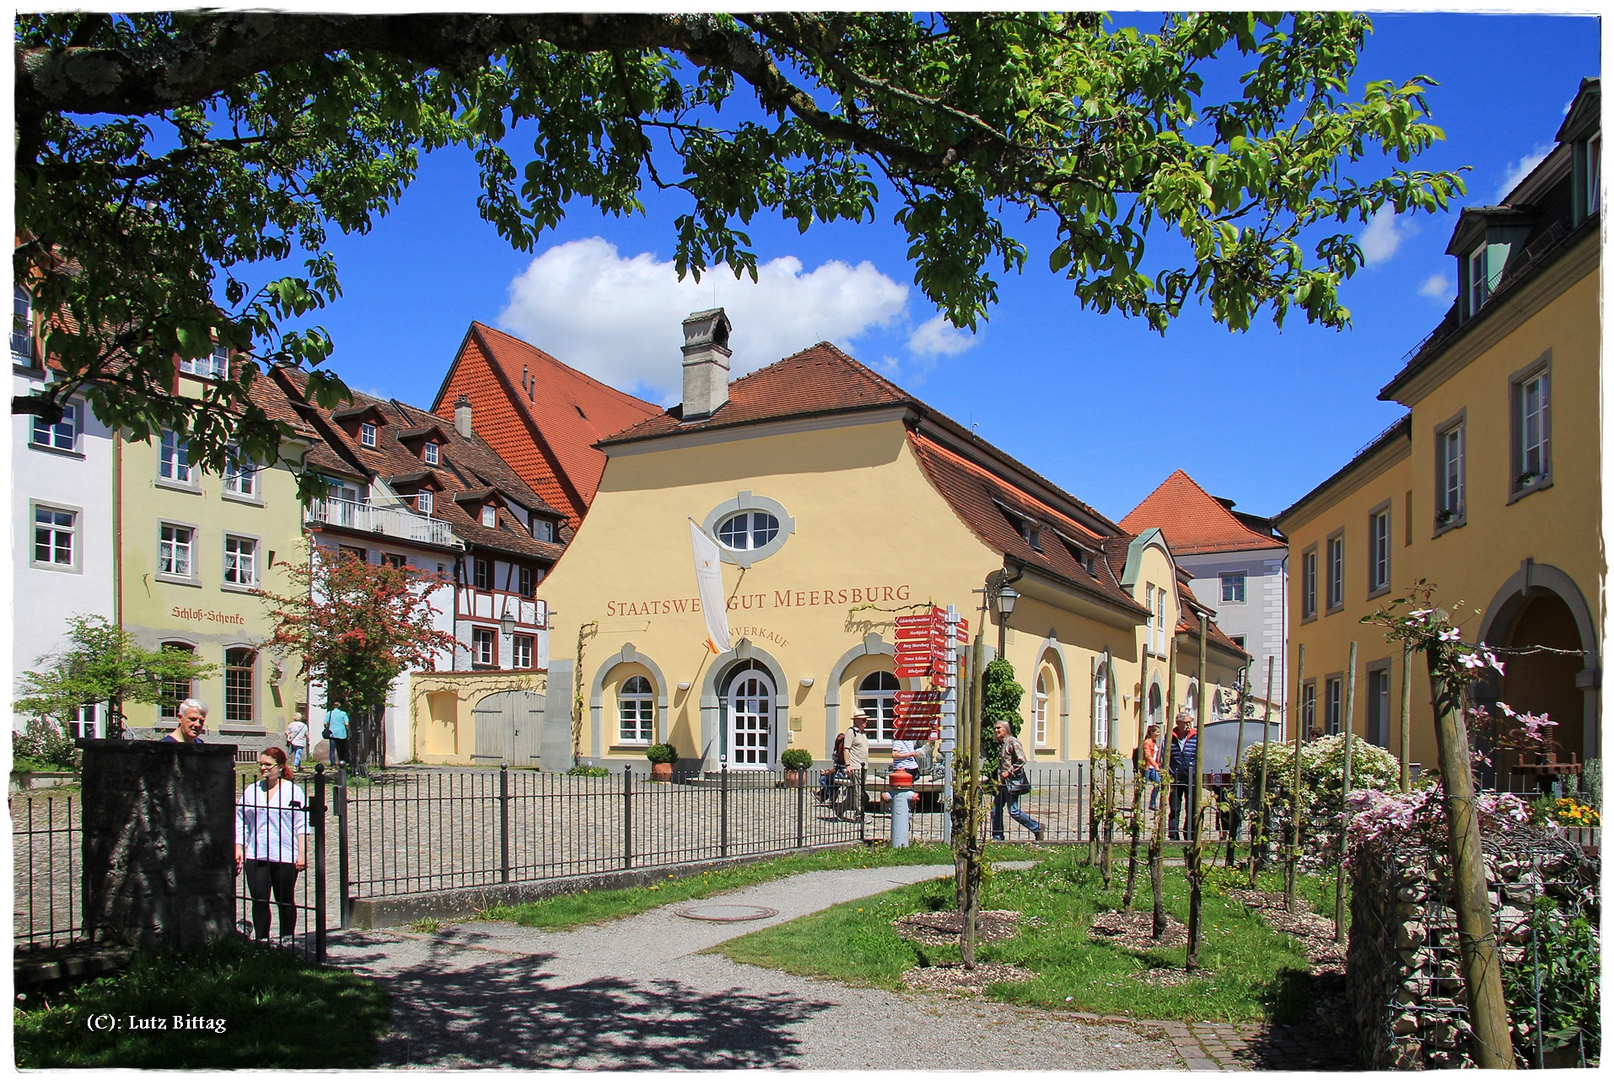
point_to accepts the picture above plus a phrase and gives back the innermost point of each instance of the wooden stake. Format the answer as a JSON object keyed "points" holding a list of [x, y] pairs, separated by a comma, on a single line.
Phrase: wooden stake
{"points": [[1195, 899], [1293, 864], [1162, 805], [1345, 800], [1406, 716], [1137, 783], [1261, 792]]}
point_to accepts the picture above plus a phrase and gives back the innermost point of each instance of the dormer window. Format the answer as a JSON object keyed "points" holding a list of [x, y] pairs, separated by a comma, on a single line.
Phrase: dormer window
{"points": [[22, 326], [1594, 176], [428, 453], [490, 516], [543, 530], [214, 366], [423, 502], [367, 435], [1478, 283]]}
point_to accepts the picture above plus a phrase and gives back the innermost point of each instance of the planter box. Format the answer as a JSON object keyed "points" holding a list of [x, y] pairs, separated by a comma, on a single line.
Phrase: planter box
{"points": [[23, 781]]}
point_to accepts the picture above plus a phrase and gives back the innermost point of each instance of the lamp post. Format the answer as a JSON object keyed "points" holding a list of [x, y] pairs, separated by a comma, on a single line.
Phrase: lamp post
{"points": [[507, 623], [1003, 598]]}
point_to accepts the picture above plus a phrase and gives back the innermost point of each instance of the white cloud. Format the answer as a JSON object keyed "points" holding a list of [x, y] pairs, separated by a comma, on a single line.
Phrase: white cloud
{"points": [[937, 337], [1436, 287], [620, 318], [1521, 168], [1383, 236]]}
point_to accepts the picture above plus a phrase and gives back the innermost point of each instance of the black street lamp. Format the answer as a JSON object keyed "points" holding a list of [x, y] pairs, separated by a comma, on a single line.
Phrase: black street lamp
{"points": [[1003, 598]]}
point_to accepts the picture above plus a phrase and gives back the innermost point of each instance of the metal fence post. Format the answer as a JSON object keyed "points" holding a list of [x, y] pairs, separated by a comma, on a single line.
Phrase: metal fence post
{"points": [[723, 812], [318, 810], [801, 810], [862, 804], [344, 901], [504, 821], [627, 817]]}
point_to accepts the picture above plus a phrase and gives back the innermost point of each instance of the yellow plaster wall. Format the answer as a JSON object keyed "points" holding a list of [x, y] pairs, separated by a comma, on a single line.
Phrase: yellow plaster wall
{"points": [[1558, 526], [209, 615]]}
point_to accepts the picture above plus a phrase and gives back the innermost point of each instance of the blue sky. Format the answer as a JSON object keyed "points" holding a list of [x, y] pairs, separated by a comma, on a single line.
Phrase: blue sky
{"points": [[1098, 404]]}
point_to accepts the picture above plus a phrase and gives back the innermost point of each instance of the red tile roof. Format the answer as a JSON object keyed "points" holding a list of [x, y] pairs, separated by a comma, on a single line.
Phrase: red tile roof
{"points": [[1193, 521], [541, 416], [821, 380]]}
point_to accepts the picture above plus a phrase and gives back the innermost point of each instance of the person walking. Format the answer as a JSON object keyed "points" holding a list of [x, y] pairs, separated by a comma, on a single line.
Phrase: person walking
{"points": [[1151, 763], [271, 841], [190, 722], [297, 740], [857, 757], [1012, 783], [336, 722], [1184, 745]]}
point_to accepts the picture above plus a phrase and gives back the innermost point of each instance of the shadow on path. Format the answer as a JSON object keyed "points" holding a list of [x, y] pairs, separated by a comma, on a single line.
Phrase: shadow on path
{"points": [[468, 1007]]}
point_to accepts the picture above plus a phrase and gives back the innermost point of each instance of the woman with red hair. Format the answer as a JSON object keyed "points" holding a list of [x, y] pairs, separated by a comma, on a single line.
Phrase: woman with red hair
{"points": [[271, 840]]}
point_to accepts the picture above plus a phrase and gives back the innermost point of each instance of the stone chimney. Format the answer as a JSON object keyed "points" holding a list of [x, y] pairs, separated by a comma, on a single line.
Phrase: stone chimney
{"points": [[706, 363], [462, 416]]}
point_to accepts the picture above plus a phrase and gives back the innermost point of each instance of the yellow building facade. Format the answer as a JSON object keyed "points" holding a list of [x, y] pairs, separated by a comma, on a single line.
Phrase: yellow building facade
{"points": [[1489, 488], [839, 504], [191, 549]]}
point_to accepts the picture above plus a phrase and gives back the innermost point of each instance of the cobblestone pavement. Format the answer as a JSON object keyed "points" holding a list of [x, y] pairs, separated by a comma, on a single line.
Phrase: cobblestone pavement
{"points": [[1210, 1047]]}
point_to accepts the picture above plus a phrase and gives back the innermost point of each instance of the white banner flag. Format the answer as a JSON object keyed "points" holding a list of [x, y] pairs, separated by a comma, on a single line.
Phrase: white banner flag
{"points": [[709, 583]]}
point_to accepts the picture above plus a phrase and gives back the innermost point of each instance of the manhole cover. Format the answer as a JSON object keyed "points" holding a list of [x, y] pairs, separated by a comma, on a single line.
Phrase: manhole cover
{"points": [[728, 912]]}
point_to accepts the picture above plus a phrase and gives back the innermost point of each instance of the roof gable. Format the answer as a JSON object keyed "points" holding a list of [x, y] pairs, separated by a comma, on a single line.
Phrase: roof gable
{"points": [[1193, 521]]}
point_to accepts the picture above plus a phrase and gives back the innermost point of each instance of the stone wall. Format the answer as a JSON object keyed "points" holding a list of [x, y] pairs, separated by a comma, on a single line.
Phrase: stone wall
{"points": [[159, 842], [1404, 984]]}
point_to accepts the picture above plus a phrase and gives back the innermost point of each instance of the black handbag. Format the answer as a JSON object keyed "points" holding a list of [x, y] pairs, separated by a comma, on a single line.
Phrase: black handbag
{"points": [[1017, 783]]}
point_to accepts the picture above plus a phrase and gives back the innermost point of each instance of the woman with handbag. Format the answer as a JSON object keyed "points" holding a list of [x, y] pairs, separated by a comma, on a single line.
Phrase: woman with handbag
{"points": [[1012, 783], [271, 841]]}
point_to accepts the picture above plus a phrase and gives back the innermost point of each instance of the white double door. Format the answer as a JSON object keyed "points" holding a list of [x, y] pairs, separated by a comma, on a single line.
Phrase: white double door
{"points": [[750, 706]]}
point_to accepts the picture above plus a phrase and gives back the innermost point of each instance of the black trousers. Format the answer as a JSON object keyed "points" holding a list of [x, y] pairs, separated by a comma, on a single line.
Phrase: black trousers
{"points": [[262, 877], [339, 751], [1180, 791]]}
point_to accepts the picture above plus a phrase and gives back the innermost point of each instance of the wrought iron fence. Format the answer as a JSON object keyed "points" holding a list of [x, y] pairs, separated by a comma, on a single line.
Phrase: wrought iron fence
{"points": [[47, 837]]}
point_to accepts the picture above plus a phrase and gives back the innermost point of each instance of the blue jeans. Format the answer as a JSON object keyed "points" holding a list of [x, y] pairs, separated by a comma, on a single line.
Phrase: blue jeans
{"points": [[296, 756], [999, 801], [1152, 776]]}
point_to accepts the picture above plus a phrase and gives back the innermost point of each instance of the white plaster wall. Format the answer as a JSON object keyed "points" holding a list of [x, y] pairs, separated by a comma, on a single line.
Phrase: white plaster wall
{"points": [[1260, 619], [43, 599]]}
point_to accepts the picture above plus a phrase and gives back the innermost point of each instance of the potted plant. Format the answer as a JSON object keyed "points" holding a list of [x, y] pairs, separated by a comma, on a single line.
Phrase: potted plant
{"points": [[796, 762], [661, 755]]}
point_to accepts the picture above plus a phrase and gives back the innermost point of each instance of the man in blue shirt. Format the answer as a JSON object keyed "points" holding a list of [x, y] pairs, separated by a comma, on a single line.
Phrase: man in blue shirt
{"points": [[336, 727], [1184, 745]]}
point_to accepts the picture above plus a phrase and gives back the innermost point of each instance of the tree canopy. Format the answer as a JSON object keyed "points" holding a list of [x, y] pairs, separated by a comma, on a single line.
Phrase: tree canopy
{"points": [[162, 156]]}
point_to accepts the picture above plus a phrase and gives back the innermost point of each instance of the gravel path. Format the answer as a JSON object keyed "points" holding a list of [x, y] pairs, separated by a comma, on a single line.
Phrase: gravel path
{"points": [[636, 993]]}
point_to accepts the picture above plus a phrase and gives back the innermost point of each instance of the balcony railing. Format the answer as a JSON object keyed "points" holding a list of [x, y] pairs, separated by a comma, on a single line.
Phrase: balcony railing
{"points": [[386, 520]]}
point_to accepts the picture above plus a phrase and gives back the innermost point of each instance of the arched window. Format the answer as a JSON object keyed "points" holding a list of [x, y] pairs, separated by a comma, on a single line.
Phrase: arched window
{"points": [[1039, 713], [877, 696], [239, 665], [1101, 709], [174, 690], [1157, 712], [636, 711]]}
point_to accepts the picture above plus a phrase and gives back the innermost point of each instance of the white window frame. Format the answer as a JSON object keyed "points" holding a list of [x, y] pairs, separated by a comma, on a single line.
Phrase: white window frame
{"points": [[190, 576], [168, 703], [73, 531], [233, 561], [22, 326], [543, 529], [1237, 578], [430, 454], [490, 517], [1451, 473], [520, 643], [86, 722], [879, 702], [62, 436], [1333, 704], [1308, 707], [1378, 549], [1148, 618], [1039, 709], [1160, 621], [215, 365], [174, 468], [241, 478], [424, 502], [251, 687], [1334, 572], [368, 434], [1101, 708], [636, 712], [1308, 583], [477, 563], [526, 580], [1479, 284], [485, 643], [1531, 429], [747, 531]]}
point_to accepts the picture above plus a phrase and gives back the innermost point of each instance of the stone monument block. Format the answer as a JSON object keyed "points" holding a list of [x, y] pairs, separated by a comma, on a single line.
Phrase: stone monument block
{"points": [[159, 842]]}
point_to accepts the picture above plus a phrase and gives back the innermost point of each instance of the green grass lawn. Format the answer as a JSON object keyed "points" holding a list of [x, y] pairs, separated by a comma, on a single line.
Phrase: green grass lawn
{"points": [[271, 1011], [598, 905], [1255, 970]]}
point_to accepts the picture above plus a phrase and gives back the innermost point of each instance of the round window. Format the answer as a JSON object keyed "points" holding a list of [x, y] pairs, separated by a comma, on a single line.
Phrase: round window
{"points": [[748, 530]]}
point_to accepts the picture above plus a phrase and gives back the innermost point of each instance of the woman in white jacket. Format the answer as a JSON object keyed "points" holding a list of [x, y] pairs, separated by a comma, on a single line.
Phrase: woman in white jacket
{"points": [[271, 841]]}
